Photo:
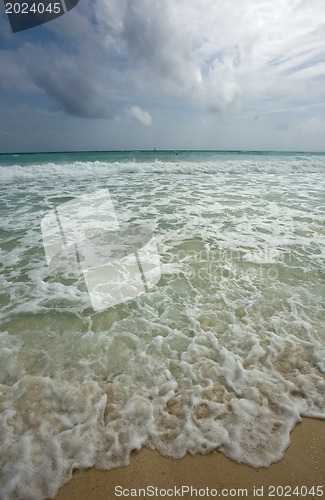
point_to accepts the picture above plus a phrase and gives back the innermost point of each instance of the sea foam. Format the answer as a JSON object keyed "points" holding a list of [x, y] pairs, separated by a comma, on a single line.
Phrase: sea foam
{"points": [[226, 352]]}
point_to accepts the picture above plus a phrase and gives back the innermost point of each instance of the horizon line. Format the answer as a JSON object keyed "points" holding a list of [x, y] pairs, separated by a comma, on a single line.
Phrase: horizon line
{"points": [[154, 150]]}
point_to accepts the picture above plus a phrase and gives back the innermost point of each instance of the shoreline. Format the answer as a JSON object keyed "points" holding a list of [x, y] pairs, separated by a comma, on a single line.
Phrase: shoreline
{"points": [[301, 468]]}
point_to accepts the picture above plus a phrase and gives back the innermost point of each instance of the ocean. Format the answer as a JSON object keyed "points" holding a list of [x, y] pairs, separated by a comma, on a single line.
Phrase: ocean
{"points": [[225, 350]]}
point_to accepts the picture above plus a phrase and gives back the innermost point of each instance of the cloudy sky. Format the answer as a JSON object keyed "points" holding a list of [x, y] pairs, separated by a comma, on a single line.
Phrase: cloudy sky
{"points": [[170, 74]]}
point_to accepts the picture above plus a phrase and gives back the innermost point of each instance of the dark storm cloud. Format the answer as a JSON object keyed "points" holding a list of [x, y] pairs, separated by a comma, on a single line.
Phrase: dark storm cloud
{"points": [[74, 90], [71, 85]]}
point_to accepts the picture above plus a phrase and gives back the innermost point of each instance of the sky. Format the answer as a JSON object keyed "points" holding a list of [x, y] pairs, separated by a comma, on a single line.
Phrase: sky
{"points": [[166, 74]]}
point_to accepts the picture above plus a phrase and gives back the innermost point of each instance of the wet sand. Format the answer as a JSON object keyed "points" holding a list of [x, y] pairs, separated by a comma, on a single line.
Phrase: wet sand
{"points": [[302, 467]]}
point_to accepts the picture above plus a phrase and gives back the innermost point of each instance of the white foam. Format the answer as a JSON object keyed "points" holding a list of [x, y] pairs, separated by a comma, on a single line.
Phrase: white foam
{"points": [[227, 351], [81, 169]]}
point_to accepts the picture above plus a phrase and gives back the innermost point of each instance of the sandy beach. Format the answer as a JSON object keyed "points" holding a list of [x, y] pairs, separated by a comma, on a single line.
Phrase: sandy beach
{"points": [[301, 469]]}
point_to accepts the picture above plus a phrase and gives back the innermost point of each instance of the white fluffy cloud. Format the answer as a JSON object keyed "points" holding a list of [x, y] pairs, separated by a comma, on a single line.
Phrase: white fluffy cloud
{"points": [[217, 52], [138, 114]]}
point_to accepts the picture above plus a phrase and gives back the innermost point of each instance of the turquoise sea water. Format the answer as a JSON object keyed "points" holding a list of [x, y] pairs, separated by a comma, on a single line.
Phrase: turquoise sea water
{"points": [[226, 351]]}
